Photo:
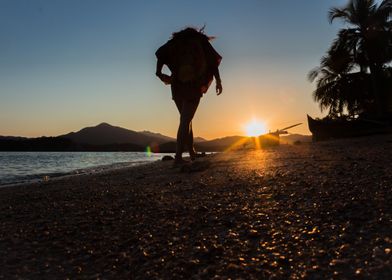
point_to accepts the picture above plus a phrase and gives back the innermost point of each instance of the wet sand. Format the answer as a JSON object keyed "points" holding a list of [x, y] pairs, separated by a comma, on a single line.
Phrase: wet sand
{"points": [[311, 211]]}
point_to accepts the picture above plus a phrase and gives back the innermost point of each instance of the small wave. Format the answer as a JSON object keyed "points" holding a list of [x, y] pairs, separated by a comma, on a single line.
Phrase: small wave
{"points": [[24, 168]]}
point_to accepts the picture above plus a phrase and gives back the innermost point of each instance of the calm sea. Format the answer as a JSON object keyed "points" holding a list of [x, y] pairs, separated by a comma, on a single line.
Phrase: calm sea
{"points": [[19, 167]]}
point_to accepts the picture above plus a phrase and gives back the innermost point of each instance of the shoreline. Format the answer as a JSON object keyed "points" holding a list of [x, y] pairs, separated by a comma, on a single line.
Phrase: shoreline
{"points": [[315, 211], [44, 177], [90, 171]]}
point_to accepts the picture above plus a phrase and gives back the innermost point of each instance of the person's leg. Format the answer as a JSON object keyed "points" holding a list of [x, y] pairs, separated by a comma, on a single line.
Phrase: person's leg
{"points": [[178, 101], [192, 152], [180, 142], [188, 109], [189, 139], [191, 148]]}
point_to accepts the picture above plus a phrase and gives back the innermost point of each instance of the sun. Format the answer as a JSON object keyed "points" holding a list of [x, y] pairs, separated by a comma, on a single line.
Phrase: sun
{"points": [[255, 128]]}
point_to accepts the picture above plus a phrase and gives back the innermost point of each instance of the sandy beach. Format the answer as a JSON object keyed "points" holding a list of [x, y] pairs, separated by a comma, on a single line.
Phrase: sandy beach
{"points": [[310, 211]]}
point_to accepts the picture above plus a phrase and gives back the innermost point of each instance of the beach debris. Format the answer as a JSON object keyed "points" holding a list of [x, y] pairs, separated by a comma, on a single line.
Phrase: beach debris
{"points": [[167, 158]]}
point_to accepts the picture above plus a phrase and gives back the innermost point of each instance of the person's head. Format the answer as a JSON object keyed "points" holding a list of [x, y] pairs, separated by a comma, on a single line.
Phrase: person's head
{"points": [[191, 32]]}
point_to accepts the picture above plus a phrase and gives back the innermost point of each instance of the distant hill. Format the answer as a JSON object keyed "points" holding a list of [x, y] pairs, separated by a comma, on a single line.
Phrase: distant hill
{"points": [[106, 134], [219, 144], [216, 145], [238, 142], [36, 144], [12, 138], [158, 135], [199, 139], [169, 139], [105, 137]]}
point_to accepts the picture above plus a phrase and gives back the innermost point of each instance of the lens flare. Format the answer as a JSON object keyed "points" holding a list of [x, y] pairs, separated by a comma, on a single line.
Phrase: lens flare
{"points": [[255, 128], [148, 151]]}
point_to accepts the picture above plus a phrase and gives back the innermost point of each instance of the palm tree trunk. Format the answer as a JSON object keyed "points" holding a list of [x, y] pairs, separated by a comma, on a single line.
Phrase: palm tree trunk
{"points": [[375, 78]]}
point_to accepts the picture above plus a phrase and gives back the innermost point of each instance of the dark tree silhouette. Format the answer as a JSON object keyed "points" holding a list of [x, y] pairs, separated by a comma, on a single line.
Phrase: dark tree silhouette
{"points": [[338, 88], [356, 59]]}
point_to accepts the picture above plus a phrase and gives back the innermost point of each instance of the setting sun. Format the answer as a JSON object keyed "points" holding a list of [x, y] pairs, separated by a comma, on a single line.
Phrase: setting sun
{"points": [[255, 128]]}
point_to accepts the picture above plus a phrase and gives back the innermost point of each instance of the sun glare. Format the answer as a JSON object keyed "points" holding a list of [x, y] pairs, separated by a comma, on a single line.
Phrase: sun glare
{"points": [[255, 128]]}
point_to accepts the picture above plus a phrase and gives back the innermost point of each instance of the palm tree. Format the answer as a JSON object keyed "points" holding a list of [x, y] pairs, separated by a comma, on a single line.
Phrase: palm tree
{"points": [[338, 88], [368, 37]]}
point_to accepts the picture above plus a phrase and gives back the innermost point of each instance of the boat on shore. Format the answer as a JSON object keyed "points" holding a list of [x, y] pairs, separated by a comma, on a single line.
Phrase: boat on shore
{"points": [[273, 138], [325, 129]]}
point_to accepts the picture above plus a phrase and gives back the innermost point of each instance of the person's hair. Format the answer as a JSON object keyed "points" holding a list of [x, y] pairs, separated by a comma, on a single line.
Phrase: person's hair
{"points": [[191, 32]]}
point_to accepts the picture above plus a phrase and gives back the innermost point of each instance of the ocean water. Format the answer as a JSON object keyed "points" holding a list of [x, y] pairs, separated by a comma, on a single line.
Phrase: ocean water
{"points": [[19, 167]]}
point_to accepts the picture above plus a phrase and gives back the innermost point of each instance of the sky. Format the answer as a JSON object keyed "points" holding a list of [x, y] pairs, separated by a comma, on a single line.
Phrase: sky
{"points": [[68, 64]]}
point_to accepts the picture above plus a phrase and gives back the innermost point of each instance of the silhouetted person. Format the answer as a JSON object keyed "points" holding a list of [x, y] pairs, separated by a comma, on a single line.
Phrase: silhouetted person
{"points": [[193, 64]]}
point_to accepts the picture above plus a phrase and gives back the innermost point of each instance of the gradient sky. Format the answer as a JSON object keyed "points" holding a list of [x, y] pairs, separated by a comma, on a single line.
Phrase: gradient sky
{"points": [[67, 64]]}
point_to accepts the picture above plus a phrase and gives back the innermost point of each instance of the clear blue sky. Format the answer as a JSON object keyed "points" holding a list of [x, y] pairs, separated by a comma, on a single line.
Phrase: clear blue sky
{"points": [[67, 64]]}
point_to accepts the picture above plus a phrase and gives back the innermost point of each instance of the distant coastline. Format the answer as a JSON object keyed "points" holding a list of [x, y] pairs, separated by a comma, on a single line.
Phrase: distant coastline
{"points": [[107, 138], [60, 144]]}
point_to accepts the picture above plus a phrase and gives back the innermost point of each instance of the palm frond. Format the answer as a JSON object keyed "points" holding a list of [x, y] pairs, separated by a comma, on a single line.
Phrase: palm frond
{"points": [[337, 13], [313, 74], [385, 7]]}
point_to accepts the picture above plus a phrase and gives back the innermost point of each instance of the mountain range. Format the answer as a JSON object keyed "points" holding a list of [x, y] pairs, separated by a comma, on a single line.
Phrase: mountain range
{"points": [[106, 134], [105, 137]]}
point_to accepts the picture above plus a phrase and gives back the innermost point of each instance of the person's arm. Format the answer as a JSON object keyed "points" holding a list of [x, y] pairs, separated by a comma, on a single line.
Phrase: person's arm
{"points": [[163, 77], [158, 71], [218, 82]]}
